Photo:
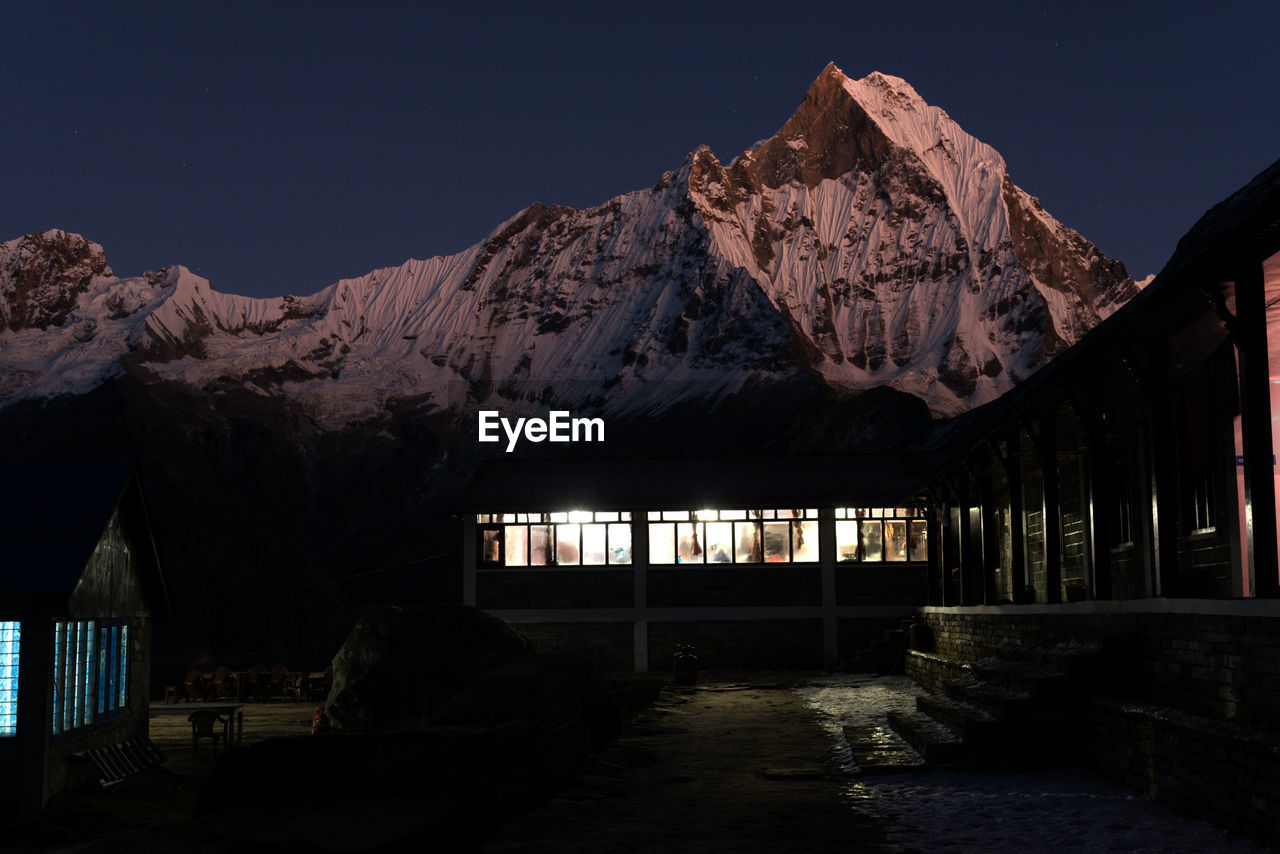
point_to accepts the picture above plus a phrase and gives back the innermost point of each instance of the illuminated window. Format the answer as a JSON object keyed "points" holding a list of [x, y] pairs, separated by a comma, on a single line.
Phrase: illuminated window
{"points": [[881, 534], [573, 538], [90, 671], [733, 536], [10, 636]]}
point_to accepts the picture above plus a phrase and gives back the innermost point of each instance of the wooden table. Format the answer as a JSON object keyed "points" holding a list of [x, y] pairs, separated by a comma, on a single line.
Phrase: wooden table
{"points": [[234, 713]]}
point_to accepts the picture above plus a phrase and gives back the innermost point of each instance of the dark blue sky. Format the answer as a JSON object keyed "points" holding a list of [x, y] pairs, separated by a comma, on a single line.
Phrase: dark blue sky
{"points": [[275, 148]]}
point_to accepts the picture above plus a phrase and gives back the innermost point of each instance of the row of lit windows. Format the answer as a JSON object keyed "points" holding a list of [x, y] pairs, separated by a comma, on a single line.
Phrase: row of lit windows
{"points": [[583, 538], [90, 671], [568, 544], [10, 641], [575, 516]]}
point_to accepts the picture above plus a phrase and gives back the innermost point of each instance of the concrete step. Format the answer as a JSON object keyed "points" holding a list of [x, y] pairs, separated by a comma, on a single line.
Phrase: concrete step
{"points": [[878, 750], [1000, 703], [1021, 678], [972, 724], [933, 741]]}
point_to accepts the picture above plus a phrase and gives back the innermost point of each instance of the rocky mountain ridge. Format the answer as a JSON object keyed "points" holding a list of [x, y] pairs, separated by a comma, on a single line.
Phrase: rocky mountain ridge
{"points": [[870, 242]]}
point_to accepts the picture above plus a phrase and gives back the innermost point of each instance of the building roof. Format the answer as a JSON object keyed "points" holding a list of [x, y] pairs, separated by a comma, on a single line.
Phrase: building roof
{"points": [[547, 485], [53, 515], [1242, 229]]}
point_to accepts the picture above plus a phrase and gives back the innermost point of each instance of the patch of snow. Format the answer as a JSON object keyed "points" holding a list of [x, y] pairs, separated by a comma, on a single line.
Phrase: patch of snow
{"points": [[1069, 810]]}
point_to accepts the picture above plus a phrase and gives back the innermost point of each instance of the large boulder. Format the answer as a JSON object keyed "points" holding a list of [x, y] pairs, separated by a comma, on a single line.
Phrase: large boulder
{"points": [[551, 689], [399, 665]]}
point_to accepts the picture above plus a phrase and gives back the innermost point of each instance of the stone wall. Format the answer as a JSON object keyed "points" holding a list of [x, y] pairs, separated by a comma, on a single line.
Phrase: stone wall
{"points": [[1222, 665], [1222, 773]]}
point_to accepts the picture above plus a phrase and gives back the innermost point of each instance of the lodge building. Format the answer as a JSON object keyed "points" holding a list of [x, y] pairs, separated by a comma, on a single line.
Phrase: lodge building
{"points": [[1122, 501], [743, 559], [79, 587]]}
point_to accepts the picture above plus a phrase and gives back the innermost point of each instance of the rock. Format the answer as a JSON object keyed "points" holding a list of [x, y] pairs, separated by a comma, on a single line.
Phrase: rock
{"points": [[399, 665], [551, 689]]}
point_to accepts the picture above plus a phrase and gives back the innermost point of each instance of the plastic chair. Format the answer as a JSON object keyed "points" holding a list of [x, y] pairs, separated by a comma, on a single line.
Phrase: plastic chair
{"points": [[203, 725]]}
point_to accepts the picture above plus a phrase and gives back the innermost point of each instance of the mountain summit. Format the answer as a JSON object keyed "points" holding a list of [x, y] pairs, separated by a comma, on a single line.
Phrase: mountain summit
{"points": [[870, 242]]}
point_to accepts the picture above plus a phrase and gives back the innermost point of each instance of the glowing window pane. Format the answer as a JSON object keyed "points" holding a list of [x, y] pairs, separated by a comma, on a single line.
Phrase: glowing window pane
{"points": [[580, 516], [776, 542], [620, 543], [10, 642], [490, 546], [919, 543], [606, 517], [593, 544], [567, 540], [655, 515], [804, 542], [540, 545], [675, 515], [662, 543], [847, 541], [895, 540], [872, 540], [124, 665], [690, 540], [559, 518], [746, 542], [516, 545], [719, 542], [733, 515]]}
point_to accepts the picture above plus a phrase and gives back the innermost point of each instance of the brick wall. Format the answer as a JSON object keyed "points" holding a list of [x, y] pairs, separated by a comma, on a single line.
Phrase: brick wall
{"points": [[1223, 774], [1204, 566], [1035, 536], [1074, 543], [1215, 665], [1128, 574]]}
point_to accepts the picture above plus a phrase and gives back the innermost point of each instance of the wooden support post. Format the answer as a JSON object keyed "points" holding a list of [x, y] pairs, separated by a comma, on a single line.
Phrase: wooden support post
{"points": [[1011, 462], [965, 550], [990, 540], [1163, 480], [1255, 405]]}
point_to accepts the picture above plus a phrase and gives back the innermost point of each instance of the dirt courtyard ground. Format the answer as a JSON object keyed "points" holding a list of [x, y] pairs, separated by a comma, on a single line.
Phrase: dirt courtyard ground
{"points": [[736, 764]]}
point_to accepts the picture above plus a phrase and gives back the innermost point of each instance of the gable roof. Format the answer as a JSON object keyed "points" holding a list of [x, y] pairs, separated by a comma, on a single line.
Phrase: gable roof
{"points": [[52, 516]]}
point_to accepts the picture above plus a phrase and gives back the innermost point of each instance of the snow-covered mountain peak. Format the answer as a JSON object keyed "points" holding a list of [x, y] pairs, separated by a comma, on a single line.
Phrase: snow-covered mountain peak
{"points": [[869, 242]]}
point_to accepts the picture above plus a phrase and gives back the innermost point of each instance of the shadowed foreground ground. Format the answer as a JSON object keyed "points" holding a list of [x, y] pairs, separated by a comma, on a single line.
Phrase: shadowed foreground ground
{"points": [[736, 764]]}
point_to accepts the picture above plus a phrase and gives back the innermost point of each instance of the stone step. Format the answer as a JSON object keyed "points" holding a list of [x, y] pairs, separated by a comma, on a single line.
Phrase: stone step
{"points": [[972, 724], [1000, 703], [878, 750], [1021, 678], [933, 741]]}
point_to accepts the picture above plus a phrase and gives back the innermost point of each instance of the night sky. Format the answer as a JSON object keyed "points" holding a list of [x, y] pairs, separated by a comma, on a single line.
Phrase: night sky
{"points": [[275, 148]]}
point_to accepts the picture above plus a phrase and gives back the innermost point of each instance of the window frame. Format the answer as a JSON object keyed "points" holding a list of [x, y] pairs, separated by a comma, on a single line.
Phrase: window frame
{"points": [[91, 672]]}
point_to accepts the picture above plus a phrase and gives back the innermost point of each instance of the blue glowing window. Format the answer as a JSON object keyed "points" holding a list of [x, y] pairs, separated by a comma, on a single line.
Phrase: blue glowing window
{"points": [[90, 667], [10, 636]]}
